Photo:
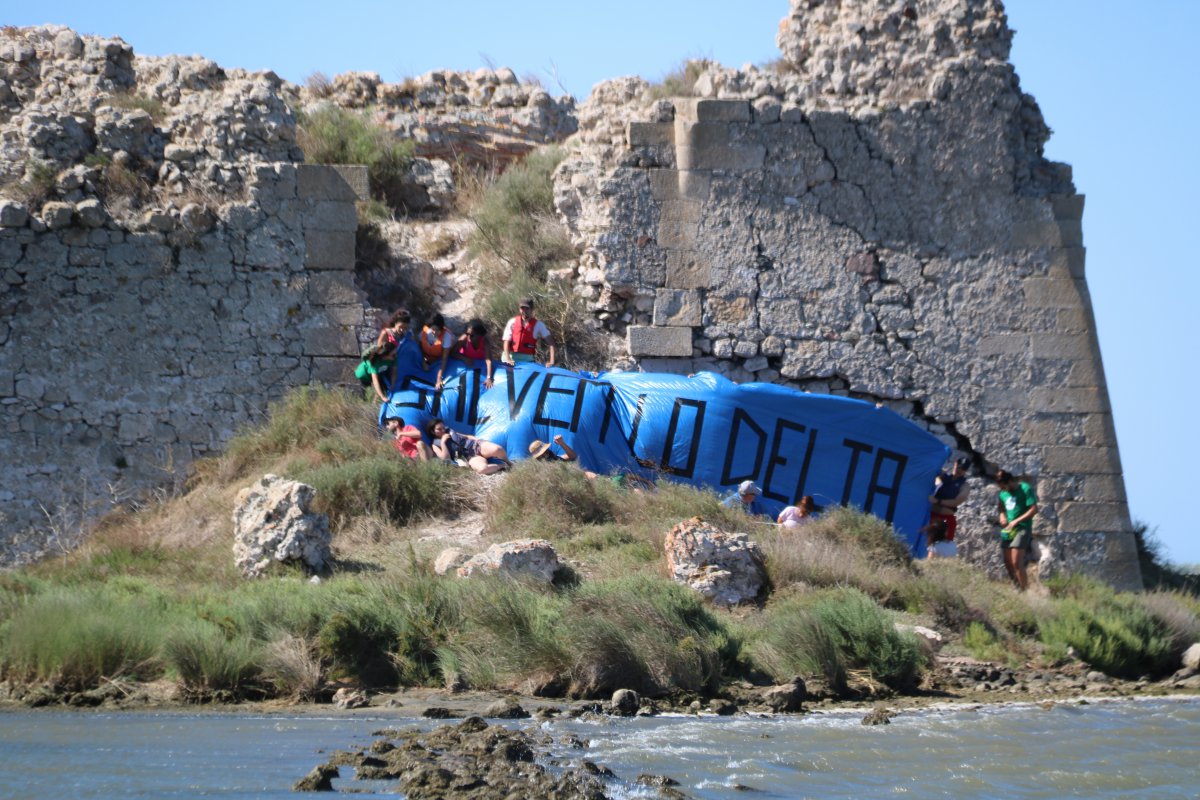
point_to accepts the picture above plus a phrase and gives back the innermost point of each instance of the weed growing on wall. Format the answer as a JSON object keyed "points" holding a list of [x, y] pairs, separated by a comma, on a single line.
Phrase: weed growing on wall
{"points": [[332, 135]]}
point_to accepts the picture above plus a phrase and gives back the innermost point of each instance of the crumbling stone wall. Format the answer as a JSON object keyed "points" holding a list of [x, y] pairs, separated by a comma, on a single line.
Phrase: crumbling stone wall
{"points": [[125, 353], [874, 219], [167, 268]]}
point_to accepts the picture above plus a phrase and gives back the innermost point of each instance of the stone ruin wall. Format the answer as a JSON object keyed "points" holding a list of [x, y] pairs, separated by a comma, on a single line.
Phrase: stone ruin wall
{"points": [[875, 220], [873, 217]]}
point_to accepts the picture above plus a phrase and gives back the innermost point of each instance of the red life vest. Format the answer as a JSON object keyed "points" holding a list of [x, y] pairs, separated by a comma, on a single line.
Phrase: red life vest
{"points": [[432, 350], [476, 353], [523, 340]]}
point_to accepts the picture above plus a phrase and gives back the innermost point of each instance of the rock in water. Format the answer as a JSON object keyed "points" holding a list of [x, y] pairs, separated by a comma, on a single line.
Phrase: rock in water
{"points": [[727, 568], [271, 522]]}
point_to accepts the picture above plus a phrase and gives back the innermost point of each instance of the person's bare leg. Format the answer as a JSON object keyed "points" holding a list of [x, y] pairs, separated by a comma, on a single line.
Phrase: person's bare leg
{"points": [[1014, 562], [492, 450], [423, 451], [481, 465]]}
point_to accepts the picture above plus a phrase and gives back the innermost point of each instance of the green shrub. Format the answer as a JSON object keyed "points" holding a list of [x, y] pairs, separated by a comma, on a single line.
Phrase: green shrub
{"points": [[792, 642], [74, 638], [386, 485], [515, 221], [983, 643], [867, 638], [209, 661], [332, 135], [1116, 636], [305, 415], [1178, 614], [36, 187], [130, 100], [680, 81], [645, 633], [550, 500]]}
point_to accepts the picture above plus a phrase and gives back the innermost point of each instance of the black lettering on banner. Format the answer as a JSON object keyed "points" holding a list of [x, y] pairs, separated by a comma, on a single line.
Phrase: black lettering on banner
{"points": [[515, 401], [890, 491], [775, 459], [424, 391], [476, 389], [637, 423], [694, 449], [539, 416], [609, 400], [740, 417], [856, 448], [459, 382]]}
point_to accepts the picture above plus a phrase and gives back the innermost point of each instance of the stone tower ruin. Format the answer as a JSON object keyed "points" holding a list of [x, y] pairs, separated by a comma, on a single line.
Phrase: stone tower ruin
{"points": [[873, 216]]}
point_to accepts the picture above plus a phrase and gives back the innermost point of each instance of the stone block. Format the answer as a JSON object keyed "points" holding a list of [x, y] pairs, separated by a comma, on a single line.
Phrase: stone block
{"points": [[995, 397], [664, 183], [1040, 431], [736, 158], [8, 383], [757, 364], [681, 210], [650, 134], [1003, 344], [671, 366], [1067, 346], [330, 371], [1084, 400], [706, 110], [1103, 489], [1067, 262], [324, 182], [1074, 517], [1067, 206], [679, 307], [688, 269], [331, 215], [1051, 293], [676, 235], [702, 135], [1034, 234], [332, 250], [333, 289], [1086, 373], [1073, 320], [1071, 232], [645, 340], [1081, 460], [729, 312], [1099, 431], [330, 341], [695, 184]]}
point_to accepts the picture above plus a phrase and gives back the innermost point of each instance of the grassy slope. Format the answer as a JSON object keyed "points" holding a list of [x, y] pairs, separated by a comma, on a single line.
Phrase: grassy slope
{"points": [[154, 594]]}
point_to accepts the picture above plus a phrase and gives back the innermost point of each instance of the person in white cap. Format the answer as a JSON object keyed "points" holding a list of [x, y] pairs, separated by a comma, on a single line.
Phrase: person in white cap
{"points": [[747, 498]]}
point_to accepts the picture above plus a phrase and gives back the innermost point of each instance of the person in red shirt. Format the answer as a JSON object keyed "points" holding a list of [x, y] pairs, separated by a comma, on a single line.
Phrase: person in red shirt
{"points": [[407, 439]]}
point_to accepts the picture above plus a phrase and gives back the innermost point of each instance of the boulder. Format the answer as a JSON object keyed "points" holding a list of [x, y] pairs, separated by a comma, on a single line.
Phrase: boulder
{"points": [[449, 559], [727, 568], [505, 708], [350, 698], [625, 703], [429, 185], [786, 697], [272, 522], [12, 214], [930, 640], [1191, 658], [535, 559]]}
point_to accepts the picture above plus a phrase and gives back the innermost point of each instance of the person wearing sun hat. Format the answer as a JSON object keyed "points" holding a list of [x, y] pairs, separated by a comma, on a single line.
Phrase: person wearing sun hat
{"points": [[748, 498], [540, 451]]}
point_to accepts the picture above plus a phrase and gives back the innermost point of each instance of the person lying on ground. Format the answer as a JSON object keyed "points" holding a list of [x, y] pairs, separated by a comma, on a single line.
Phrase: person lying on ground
{"points": [[474, 347], [478, 454], [407, 439], [541, 451], [748, 499]]}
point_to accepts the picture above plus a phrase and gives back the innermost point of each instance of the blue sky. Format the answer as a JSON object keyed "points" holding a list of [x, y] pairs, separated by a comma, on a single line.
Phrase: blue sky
{"points": [[1117, 83]]}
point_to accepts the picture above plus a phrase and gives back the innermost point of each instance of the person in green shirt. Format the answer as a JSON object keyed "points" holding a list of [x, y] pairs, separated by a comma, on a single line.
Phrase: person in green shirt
{"points": [[1018, 506]]}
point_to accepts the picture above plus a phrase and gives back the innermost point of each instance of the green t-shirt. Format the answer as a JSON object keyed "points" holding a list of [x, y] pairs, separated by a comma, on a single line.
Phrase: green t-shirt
{"points": [[374, 367], [1017, 502]]}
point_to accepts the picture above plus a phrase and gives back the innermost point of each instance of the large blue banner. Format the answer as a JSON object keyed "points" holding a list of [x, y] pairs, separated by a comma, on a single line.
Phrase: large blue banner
{"points": [[703, 430]]}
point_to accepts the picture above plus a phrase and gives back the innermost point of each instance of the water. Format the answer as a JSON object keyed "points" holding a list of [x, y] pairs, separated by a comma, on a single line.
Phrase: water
{"points": [[1139, 749]]}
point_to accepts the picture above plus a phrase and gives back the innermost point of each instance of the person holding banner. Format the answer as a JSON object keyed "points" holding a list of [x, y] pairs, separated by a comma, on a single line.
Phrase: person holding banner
{"points": [[521, 336], [748, 499], [474, 347]]}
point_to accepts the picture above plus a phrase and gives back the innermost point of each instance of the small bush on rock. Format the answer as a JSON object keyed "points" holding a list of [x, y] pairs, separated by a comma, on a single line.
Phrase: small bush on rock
{"points": [[331, 135]]}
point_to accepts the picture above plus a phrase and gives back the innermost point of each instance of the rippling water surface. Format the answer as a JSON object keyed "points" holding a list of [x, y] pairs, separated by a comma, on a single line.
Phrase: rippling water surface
{"points": [[1144, 748]]}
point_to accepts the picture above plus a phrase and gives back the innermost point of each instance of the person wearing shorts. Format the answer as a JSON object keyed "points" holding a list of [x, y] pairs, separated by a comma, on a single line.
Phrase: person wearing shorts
{"points": [[950, 490], [480, 455], [1018, 506]]}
